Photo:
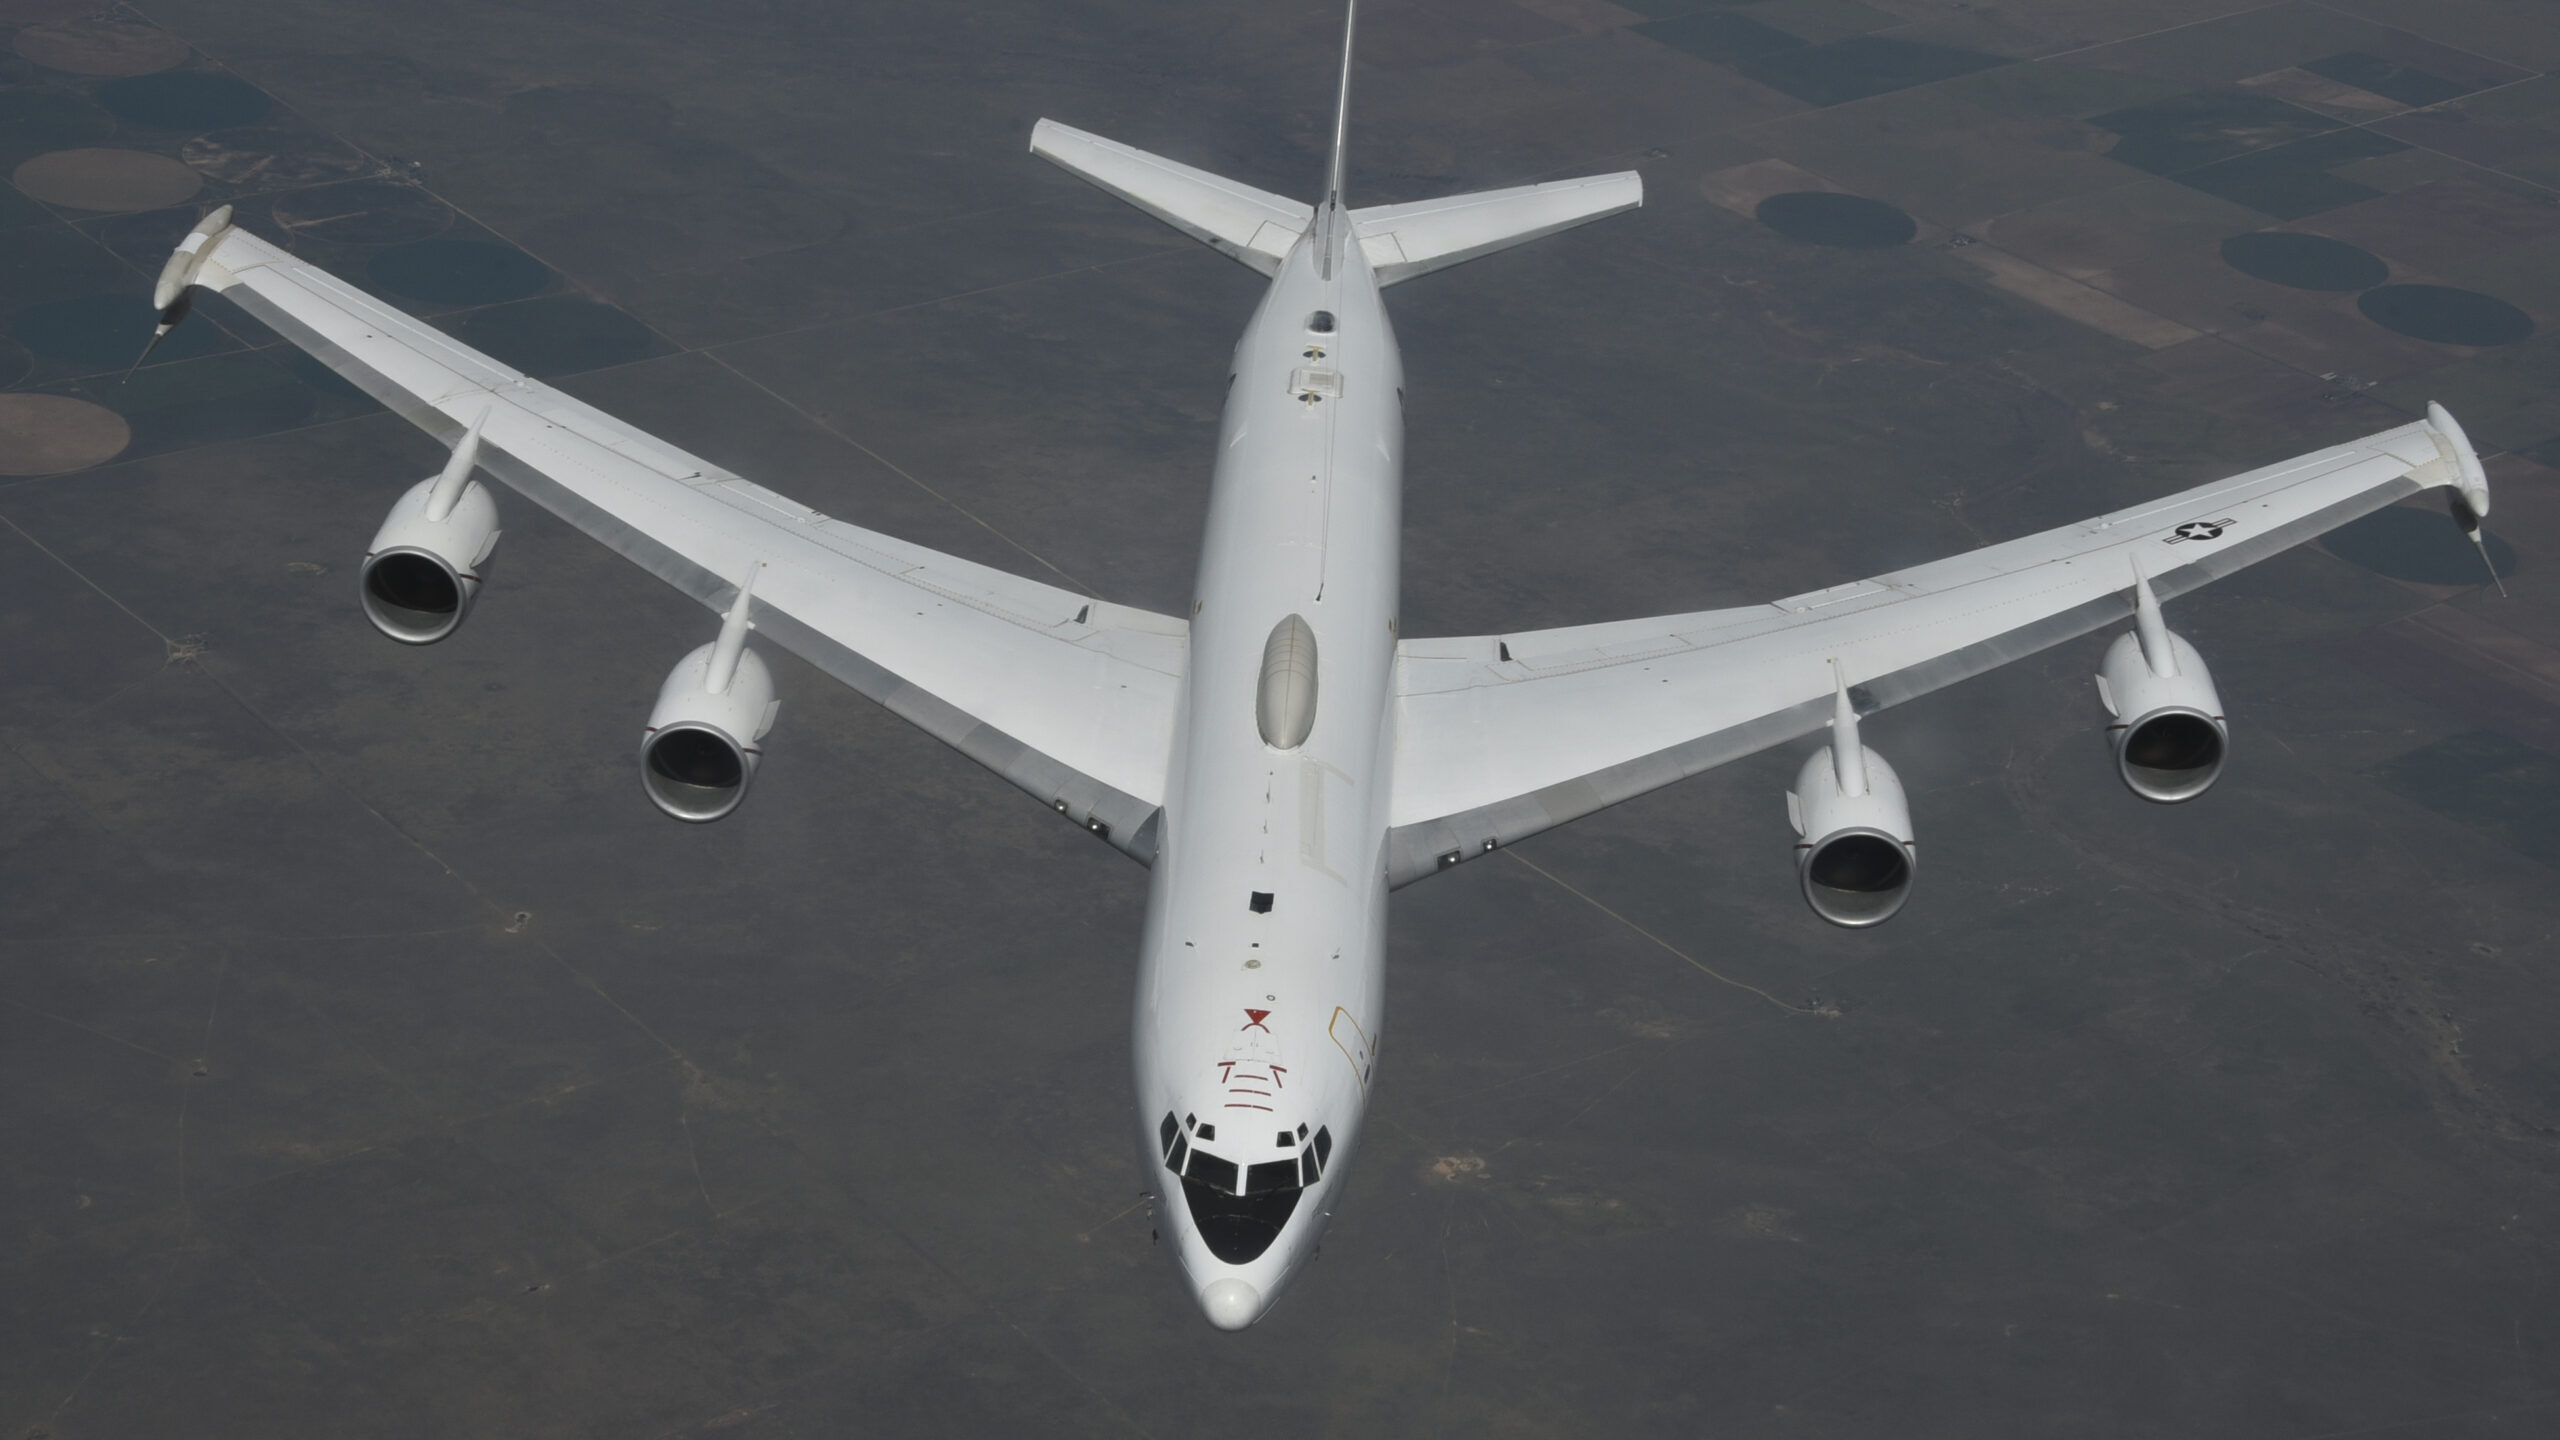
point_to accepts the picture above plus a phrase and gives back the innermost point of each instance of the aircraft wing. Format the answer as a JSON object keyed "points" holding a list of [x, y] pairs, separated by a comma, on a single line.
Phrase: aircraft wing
{"points": [[1502, 736], [1068, 697]]}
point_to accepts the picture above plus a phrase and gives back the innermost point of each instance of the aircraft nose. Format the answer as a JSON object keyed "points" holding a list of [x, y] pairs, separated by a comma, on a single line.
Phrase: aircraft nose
{"points": [[1231, 1304]]}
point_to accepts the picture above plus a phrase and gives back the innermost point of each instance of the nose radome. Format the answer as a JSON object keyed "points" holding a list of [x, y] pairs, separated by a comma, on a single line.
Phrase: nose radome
{"points": [[1231, 1304]]}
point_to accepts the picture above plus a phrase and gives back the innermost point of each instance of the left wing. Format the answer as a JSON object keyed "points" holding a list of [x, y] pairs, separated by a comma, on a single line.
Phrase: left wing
{"points": [[1502, 736], [1071, 699]]}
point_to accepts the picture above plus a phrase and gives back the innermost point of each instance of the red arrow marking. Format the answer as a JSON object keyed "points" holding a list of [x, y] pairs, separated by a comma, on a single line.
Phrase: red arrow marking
{"points": [[1253, 1020]]}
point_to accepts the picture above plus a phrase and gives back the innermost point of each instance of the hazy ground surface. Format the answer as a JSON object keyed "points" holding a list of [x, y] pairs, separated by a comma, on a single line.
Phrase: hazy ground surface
{"points": [[375, 1061]]}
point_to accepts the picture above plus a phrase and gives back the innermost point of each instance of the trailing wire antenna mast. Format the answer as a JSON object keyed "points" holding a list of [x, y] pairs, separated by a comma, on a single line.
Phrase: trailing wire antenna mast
{"points": [[1329, 210]]}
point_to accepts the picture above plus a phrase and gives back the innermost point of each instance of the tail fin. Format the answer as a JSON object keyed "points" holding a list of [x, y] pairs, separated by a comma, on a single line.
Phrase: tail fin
{"points": [[1329, 209], [1341, 107], [1254, 226]]}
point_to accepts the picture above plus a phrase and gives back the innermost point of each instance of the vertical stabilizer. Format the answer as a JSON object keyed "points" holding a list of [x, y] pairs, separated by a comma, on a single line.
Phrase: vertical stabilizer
{"points": [[1341, 107], [1329, 224]]}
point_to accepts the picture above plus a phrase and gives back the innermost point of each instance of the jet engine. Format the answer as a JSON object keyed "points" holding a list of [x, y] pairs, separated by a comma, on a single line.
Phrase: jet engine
{"points": [[2168, 731], [423, 567], [700, 749], [1854, 850]]}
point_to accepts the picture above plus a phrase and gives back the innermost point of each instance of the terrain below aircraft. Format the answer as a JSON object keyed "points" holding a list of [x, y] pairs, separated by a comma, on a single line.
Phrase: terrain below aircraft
{"points": [[1281, 755]]}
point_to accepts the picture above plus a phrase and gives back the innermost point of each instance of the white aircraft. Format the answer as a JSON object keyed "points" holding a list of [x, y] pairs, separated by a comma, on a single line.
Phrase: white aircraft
{"points": [[1281, 756]]}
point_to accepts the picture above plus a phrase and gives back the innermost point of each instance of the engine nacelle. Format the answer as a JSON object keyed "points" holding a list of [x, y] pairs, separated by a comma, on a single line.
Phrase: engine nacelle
{"points": [[420, 574], [700, 749], [2169, 735], [2168, 731], [423, 567], [1854, 849], [1854, 853]]}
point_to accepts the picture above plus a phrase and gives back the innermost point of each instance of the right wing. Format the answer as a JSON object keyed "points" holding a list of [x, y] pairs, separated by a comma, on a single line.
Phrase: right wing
{"points": [[1501, 736], [1071, 699]]}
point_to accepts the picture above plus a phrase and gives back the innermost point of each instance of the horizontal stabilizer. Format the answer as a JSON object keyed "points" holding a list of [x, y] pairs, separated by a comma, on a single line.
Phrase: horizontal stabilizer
{"points": [[1403, 241], [1254, 226]]}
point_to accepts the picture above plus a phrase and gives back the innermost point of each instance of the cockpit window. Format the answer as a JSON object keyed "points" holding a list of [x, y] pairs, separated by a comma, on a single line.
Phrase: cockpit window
{"points": [[1238, 1227], [1313, 1159], [1275, 1176], [1212, 1172], [1241, 1210]]}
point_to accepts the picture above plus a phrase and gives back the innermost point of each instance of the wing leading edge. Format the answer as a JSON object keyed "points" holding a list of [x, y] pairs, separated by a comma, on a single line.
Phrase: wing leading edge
{"points": [[1071, 699], [1502, 736]]}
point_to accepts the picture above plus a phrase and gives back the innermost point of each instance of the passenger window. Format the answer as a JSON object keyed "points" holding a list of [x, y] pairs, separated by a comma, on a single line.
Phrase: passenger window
{"points": [[1165, 1133], [1320, 323], [1213, 1172], [1324, 1147], [1277, 1175], [1261, 902]]}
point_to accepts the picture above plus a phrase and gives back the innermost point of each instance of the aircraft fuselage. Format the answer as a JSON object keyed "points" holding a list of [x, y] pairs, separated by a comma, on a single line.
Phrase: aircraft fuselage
{"points": [[1261, 982]]}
